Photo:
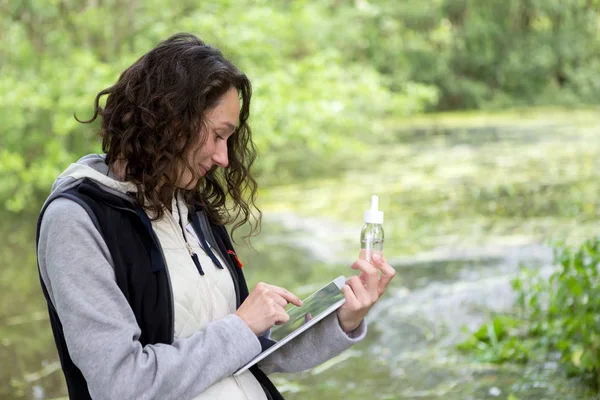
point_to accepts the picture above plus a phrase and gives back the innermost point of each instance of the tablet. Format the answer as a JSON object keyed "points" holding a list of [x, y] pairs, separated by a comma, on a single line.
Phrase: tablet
{"points": [[314, 308]]}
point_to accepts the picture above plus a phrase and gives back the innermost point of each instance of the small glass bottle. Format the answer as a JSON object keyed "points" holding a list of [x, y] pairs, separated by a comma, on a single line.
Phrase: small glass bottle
{"points": [[371, 235]]}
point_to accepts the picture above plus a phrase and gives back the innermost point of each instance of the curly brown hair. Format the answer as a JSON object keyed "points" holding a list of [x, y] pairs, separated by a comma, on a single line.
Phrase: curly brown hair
{"points": [[152, 118]]}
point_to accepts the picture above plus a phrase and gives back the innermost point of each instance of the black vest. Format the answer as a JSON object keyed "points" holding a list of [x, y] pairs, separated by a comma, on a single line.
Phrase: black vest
{"points": [[141, 274]]}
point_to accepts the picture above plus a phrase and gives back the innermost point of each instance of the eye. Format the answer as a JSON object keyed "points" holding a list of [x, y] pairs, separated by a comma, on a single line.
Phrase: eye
{"points": [[217, 137]]}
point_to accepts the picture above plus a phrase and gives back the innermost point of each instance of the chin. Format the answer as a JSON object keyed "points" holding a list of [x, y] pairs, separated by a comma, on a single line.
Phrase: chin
{"points": [[187, 184]]}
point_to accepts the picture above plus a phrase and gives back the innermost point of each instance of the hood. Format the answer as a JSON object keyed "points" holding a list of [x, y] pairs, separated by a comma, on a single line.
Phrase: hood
{"points": [[93, 167]]}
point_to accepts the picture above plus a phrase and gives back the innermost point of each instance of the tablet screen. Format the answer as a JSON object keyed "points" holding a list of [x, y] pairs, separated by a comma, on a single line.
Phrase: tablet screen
{"points": [[312, 306]]}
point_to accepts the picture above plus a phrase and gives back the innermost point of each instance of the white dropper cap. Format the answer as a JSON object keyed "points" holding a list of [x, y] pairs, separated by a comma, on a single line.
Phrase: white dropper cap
{"points": [[374, 216]]}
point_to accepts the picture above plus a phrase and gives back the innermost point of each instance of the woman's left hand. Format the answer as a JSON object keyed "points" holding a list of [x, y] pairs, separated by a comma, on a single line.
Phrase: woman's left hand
{"points": [[362, 292]]}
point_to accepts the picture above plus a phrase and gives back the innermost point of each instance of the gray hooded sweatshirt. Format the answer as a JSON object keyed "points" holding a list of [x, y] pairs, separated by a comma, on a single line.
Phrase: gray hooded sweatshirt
{"points": [[100, 329]]}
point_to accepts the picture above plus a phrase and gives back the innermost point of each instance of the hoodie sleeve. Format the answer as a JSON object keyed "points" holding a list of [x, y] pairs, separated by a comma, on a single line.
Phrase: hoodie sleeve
{"points": [[318, 344], [100, 329]]}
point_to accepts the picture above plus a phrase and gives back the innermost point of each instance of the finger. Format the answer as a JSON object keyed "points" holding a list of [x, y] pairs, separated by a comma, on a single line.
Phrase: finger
{"points": [[362, 254], [371, 277], [361, 293], [281, 318], [367, 254], [351, 301], [387, 272], [287, 295], [277, 299]]}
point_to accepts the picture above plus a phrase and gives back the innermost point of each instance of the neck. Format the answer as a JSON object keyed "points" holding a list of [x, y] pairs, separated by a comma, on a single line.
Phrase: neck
{"points": [[118, 168]]}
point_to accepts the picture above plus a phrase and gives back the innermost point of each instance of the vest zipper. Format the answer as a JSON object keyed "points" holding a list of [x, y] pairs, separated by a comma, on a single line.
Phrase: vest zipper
{"points": [[197, 263], [199, 221], [193, 255], [194, 258]]}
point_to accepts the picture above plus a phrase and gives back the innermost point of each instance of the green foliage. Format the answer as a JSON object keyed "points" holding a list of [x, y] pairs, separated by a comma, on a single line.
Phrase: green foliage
{"points": [[325, 73], [332, 79], [565, 311], [482, 54], [560, 314], [498, 341], [311, 98]]}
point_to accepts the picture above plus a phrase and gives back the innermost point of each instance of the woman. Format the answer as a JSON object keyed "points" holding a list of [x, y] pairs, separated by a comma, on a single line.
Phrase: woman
{"points": [[146, 296]]}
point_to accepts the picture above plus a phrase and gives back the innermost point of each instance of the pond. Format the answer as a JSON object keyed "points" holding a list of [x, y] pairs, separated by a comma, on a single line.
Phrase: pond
{"points": [[466, 203]]}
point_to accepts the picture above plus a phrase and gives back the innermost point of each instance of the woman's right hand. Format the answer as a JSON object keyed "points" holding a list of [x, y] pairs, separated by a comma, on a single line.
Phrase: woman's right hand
{"points": [[265, 307]]}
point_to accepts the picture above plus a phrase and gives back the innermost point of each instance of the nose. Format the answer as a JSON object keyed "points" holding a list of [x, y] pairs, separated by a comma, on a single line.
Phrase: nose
{"points": [[220, 155]]}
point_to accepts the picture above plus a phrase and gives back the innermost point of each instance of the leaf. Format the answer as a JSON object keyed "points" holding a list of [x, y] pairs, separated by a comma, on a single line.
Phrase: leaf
{"points": [[574, 286], [576, 357], [587, 361]]}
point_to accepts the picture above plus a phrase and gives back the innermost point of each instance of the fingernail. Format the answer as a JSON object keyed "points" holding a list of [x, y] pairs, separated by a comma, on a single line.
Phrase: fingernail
{"points": [[376, 257]]}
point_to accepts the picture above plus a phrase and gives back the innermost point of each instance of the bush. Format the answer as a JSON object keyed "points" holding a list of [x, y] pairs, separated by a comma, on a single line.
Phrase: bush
{"points": [[560, 315]]}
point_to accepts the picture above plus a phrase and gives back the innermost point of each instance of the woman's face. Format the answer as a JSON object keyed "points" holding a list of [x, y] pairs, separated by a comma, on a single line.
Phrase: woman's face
{"points": [[221, 123]]}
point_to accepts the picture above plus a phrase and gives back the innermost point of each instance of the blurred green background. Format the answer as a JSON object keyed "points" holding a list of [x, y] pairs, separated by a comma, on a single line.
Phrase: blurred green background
{"points": [[475, 121]]}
